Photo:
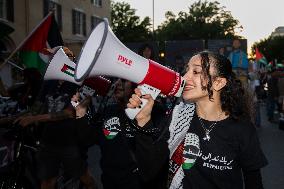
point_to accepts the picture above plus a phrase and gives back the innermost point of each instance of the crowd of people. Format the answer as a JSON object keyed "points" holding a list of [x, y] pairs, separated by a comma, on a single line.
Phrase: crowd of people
{"points": [[206, 139]]}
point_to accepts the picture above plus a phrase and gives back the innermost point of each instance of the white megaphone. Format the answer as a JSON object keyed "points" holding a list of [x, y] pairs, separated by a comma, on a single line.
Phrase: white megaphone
{"points": [[104, 54], [62, 68]]}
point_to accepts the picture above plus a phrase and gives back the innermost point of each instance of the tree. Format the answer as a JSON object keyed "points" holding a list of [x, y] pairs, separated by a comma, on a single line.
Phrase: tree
{"points": [[271, 47], [204, 20], [127, 26]]}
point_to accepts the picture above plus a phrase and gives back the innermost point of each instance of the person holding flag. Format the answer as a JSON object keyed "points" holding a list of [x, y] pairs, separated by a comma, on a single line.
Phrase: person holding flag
{"points": [[52, 109]]}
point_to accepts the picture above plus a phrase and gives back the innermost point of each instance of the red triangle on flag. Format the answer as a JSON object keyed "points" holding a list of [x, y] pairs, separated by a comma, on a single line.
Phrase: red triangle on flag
{"points": [[45, 35], [258, 55], [106, 132], [64, 68], [37, 42]]}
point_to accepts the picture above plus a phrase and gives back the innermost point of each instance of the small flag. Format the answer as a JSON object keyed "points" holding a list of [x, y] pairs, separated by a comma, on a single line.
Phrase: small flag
{"points": [[259, 57], [109, 134], [68, 70]]}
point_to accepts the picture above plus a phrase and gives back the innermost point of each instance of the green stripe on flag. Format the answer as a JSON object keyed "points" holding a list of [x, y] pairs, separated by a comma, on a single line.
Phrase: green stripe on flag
{"points": [[68, 70], [187, 165], [31, 59], [263, 61], [110, 137]]}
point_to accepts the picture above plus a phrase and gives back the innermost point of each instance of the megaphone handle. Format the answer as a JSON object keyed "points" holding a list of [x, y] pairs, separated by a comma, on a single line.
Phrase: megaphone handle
{"points": [[145, 89]]}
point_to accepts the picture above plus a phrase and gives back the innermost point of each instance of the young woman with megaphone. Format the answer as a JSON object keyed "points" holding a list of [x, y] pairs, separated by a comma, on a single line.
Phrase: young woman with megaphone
{"points": [[210, 139]]}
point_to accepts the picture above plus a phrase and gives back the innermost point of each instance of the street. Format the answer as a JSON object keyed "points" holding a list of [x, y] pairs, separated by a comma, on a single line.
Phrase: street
{"points": [[272, 140]]}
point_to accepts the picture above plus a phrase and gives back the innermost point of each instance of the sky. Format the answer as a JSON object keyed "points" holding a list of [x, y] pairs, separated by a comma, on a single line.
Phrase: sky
{"points": [[259, 18]]}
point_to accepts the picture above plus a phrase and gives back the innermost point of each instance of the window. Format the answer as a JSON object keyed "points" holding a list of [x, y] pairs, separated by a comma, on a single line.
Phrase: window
{"points": [[50, 5], [97, 3], [7, 10], [95, 21], [78, 22]]}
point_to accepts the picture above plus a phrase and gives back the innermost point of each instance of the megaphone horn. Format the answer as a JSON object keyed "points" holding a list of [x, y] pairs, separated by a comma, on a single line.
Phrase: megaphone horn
{"points": [[104, 54], [61, 68]]}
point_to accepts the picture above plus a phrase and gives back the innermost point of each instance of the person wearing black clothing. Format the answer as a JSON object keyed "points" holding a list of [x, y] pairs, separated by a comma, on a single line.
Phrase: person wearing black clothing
{"points": [[25, 93], [59, 144], [210, 139], [60, 148], [115, 135], [272, 94]]}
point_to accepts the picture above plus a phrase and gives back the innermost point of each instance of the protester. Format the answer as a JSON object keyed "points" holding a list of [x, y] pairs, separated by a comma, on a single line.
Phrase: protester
{"points": [[26, 93], [254, 84], [210, 139], [58, 141], [272, 94], [115, 135], [60, 148], [239, 61], [83, 124]]}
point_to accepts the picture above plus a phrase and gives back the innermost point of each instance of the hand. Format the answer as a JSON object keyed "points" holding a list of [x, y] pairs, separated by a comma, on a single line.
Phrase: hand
{"points": [[80, 111], [145, 114]]}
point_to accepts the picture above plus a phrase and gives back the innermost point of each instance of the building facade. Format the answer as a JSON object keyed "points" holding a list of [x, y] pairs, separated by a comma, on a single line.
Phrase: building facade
{"points": [[18, 18], [76, 18]]}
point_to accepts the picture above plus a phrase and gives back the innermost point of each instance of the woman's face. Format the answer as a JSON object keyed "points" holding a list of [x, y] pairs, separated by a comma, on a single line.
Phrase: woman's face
{"points": [[194, 81]]}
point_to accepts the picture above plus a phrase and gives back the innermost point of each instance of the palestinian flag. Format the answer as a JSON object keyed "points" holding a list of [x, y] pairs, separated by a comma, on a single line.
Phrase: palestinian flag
{"points": [[46, 35], [279, 65], [259, 57], [270, 65], [68, 70], [187, 164], [109, 134]]}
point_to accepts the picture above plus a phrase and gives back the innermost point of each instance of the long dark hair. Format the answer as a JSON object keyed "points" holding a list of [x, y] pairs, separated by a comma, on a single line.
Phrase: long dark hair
{"points": [[235, 99]]}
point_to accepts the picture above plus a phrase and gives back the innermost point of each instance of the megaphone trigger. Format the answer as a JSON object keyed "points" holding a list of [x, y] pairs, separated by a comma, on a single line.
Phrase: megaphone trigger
{"points": [[145, 89]]}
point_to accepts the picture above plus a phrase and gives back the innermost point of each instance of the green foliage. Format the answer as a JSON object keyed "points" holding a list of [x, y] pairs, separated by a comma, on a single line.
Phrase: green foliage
{"points": [[127, 26], [272, 48], [204, 20]]}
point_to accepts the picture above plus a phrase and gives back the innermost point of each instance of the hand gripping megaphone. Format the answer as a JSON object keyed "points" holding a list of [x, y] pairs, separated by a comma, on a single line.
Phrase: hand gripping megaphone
{"points": [[104, 54], [62, 68]]}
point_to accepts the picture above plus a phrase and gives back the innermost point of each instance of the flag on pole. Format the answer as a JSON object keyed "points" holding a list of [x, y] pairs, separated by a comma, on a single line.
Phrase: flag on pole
{"points": [[45, 35], [259, 57]]}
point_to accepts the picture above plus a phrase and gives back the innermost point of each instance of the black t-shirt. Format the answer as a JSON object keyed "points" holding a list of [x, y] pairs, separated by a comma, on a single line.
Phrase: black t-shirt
{"points": [[233, 147], [115, 138], [119, 163]]}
